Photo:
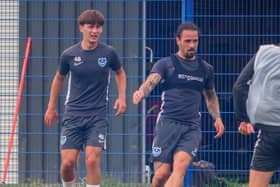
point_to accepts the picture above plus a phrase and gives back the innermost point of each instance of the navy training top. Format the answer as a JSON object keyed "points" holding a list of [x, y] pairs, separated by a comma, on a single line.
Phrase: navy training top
{"points": [[89, 78], [183, 82], [240, 91]]}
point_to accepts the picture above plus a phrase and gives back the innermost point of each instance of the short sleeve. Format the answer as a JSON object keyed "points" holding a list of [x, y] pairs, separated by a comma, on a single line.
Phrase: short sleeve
{"points": [[159, 67], [115, 62], [209, 81], [63, 66]]}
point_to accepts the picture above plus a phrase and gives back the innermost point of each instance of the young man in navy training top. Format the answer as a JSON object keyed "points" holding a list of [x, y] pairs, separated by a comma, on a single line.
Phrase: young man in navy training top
{"points": [[256, 100], [184, 77], [85, 123]]}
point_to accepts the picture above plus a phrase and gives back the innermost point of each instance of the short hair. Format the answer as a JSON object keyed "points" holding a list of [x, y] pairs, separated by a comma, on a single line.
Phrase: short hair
{"points": [[186, 26], [93, 17]]}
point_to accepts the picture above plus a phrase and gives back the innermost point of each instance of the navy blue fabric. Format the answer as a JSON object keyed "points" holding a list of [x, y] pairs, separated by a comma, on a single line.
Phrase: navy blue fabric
{"points": [[266, 152], [89, 76], [172, 136], [240, 91], [183, 82], [80, 131]]}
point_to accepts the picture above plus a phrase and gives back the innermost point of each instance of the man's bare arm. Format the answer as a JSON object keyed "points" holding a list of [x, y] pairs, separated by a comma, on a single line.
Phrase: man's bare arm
{"points": [[56, 88], [213, 108], [121, 83], [51, 113], [146, 88], [212, 103], [120, 102], [151, 82]]}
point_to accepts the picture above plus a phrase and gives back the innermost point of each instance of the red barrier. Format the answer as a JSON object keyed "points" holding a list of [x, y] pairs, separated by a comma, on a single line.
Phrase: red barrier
{"points": [[20, 91]]}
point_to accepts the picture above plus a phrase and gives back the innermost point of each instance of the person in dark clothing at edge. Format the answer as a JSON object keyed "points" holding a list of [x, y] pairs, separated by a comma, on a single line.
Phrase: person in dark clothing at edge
{"points": [[256, 102], [89, 64], [184, 78]]}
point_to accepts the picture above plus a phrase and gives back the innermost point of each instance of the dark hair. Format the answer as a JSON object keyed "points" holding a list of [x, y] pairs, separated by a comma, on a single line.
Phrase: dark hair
{"points": [[93, 17], [186, 26]]}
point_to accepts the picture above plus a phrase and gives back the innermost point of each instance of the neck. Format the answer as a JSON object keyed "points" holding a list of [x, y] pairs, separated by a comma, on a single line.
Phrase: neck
{"points": [[185, 57], [88, 46]]}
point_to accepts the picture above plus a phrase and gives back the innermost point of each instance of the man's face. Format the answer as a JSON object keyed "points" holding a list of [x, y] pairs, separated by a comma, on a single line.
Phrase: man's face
{"points": [[91, 33], [188, 44]]}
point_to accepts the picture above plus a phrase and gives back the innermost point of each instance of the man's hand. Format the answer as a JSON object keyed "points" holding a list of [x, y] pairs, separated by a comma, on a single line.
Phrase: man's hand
{"points": [[246, 128], [51, 115], [138, 95], [219, 126], [120, 104]]}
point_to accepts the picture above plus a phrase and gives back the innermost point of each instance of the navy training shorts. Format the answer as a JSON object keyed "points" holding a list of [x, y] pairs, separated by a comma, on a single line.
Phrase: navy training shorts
{"points": [[80, 131], [172, 136], [266, 151]]}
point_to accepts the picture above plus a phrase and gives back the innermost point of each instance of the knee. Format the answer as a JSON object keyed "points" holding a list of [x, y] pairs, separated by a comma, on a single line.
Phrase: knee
{"points": [[68, 163], [182, 162], [92, 160], [161, 175], [181, 169]]}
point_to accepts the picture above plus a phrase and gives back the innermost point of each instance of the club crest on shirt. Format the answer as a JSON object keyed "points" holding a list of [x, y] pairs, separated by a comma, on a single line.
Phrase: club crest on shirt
{"points": [[78, 61], [102, 61], [62, 140], [156, 151]]}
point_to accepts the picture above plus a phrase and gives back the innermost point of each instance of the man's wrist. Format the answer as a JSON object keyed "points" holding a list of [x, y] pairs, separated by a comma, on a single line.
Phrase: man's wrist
{"points": [[123, 97], [143, 92], [51, 107], [217, 118]]}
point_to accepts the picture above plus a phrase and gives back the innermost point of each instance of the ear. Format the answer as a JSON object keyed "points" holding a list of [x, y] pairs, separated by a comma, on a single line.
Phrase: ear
{"points": [[80, 28], [177, 40]]}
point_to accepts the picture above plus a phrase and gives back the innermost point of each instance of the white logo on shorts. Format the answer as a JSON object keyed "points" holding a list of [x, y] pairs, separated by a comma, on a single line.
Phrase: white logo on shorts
{"points": [[156, 151], [63, 140], [101, 138], [194, 152]]}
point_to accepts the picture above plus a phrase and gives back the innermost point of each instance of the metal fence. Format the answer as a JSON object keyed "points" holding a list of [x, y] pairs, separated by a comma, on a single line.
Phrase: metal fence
{"points": [[142, 32]]}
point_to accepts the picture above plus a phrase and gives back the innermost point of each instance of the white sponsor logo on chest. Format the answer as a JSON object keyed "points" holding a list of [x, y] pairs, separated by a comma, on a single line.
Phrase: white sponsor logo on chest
{"points": [[77, 61]]}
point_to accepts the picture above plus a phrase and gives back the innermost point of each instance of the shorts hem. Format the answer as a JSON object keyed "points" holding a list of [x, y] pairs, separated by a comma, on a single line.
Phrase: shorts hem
{"points": [[263, 169], [76, 148]]}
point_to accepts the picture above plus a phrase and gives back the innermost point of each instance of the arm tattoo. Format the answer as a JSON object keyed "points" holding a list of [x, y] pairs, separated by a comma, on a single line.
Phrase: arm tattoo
{"points": [[212, 103], [150, 83]]}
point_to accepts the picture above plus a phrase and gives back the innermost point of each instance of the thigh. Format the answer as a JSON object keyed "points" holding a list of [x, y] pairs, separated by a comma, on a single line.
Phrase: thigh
{"points": [[190, 140], [166, 137], [69, 155], [259, 178], [181, 162], [266, 152], [72, 133], [162, 169], [93, 152], [96, 132]]}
